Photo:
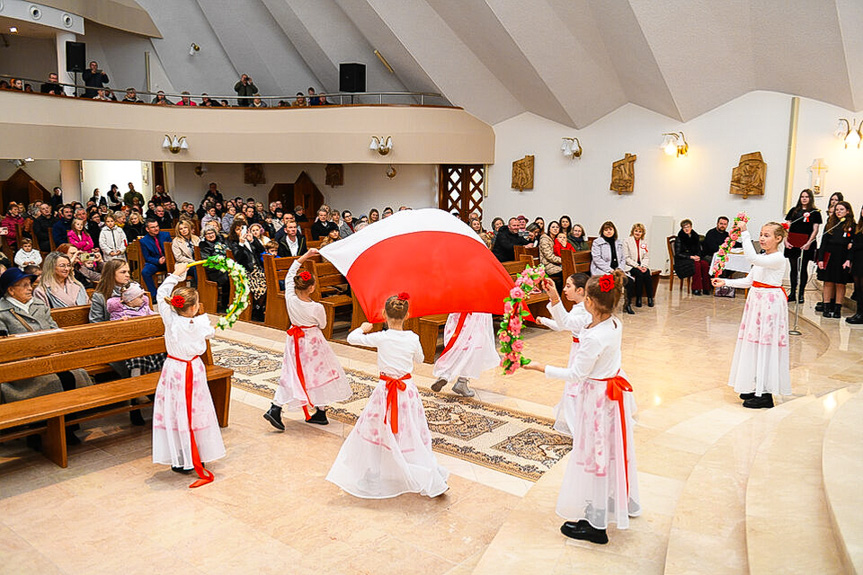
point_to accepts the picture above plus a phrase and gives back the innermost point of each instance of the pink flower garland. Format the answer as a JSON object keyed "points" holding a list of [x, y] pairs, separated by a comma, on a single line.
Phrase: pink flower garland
{"points": [[725, 248], [514, 310]]}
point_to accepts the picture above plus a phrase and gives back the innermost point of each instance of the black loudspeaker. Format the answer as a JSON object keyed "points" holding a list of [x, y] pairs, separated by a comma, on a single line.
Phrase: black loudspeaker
{"points": [[352, 77], [76, 56]]}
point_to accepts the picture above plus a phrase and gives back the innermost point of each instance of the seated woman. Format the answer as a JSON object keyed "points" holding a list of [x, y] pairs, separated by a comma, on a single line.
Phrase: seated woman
{"points": [[21, 313], [134, 227], [212, 244], [330, 238], [183, 247], [58, 286], [476, 225], [638, 264], [607, 254], [687, 259], [87, 267], [240, 243], [548, 257], [578, 238]]}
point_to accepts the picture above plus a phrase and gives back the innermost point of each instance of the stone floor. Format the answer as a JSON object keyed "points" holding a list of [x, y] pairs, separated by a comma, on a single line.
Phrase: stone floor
{"points": [[270, 509]]}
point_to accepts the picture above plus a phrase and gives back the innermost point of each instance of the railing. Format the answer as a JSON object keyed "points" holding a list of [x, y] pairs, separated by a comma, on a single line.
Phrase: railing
{"points": [[221, 100]]}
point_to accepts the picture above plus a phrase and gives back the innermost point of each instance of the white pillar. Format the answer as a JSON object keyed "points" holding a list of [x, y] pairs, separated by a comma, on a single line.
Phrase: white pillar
{"points": [[70, 180], [65, 77]]}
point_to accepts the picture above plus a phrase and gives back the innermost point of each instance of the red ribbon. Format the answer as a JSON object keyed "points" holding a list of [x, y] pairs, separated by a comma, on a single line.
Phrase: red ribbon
{"points": [[205, 475], [574, 339], [616, 386], [461, 319], [394, 386], [763, 285], [296, 331], [806, 217]]}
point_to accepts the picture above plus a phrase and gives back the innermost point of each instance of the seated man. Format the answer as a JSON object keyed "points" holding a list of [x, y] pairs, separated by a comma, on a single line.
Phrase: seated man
{"points": [[131, 96], [291, 244], [153, 251], [714, 238], [165, 220], [52, 86], [507, 239]]}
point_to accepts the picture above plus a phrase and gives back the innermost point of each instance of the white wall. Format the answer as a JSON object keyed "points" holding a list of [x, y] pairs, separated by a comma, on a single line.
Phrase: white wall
{"points": [[102, 173], [25, 57], [366, 186]]}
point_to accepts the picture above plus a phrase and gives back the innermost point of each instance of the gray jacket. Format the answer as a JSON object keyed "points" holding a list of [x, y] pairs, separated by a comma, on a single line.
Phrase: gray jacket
{"points": [[39, 319], [600, 256], [345, 230]]}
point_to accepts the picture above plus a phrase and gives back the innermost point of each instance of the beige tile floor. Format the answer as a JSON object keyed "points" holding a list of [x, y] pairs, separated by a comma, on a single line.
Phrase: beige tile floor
{"points": [[270, 509]]}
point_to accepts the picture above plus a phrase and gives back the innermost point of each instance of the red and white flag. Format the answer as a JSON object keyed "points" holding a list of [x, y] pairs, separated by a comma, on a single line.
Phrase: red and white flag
{"points": [[434, 257]]}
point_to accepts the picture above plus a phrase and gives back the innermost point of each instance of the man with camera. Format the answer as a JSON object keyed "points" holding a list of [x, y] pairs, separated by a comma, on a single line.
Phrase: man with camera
{"points": [[94, 79], [245, 90]]}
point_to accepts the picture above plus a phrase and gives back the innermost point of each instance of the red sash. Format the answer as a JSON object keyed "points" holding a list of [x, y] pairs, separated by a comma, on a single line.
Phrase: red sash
{"points": [[296, 331], [394, 386], [616, 386], [762, 285], [205, 475], [461, 319]]}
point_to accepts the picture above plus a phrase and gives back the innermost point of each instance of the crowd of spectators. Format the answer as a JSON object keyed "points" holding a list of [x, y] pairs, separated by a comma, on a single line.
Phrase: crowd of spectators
{"points": [[97, 88]]}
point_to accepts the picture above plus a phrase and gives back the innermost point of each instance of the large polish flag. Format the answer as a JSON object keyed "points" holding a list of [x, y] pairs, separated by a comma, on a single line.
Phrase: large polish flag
{"points": [[436, 258]]}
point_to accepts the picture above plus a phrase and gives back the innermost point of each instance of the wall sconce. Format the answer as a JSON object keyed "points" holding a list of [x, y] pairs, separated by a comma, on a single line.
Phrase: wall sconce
{"points": [[381, 145], [174, 144], [850, 132], [571, 148], [675, 143], [21, 163], [193, 49]]}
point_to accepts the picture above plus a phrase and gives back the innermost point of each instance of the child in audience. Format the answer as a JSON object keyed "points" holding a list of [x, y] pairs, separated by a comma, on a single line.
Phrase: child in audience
{"points": [[761, 365], [389, 451], [311, 373], [575, 320], [27, 256], [600, 485], [470, 349], [132, 302], [562, 243], [273, 248], [185, 437]]}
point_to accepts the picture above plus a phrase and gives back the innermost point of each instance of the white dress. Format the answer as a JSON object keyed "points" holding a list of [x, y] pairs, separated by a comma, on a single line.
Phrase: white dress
{"points": [[473, 352], [185, 339], [574, 320], [324, 377], [761, 360], [595, 482], [374, 462]]}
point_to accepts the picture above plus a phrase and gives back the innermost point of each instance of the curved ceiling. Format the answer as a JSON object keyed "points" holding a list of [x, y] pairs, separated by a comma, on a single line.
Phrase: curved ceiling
{"points": [[571, 61]]}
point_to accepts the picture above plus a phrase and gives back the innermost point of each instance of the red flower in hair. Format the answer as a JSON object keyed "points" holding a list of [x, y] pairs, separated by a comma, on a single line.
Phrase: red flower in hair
{"points": [[178, 301], [305, 276], [404, 296], [787, 226], [606, 283]]}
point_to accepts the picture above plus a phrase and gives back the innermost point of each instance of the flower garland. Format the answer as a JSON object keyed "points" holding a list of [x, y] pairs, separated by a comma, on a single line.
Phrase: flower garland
{"points": [[514, 312], [725, 248], [237, 273]]}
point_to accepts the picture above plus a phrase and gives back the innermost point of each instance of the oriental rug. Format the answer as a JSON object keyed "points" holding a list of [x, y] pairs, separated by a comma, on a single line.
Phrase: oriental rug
{"points": [[499, 438]]}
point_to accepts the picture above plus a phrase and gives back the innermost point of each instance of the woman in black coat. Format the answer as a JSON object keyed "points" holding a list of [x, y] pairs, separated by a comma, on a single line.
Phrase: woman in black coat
{"points": [[212, 245], [688, 261]]}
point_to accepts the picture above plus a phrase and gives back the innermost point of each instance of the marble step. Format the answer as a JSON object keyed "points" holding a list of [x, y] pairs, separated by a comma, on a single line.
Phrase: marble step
{"points": [[842, 467], [788, 526], [708, 532]]}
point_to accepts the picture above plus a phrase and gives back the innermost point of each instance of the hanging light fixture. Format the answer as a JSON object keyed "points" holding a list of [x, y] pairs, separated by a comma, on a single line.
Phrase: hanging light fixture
{"points": [[674, 144], [571, 148], [382, 145], [850, 132], [174, 144]]}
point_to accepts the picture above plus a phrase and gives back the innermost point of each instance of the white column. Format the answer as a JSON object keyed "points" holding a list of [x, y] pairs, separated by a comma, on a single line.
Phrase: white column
{"points": [[70, 180], [65, 77]]}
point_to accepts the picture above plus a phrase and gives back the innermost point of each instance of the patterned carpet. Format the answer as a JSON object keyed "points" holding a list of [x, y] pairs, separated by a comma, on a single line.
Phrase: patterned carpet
{"points": [[509, 441]]}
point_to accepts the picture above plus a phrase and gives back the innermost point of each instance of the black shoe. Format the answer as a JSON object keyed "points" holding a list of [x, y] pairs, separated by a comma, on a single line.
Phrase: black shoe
{"points": [[696, 292], [819, 306], [182, 470], [765, 400], [650, 302], [638, 302], [320, 417], [274, 416], [628, 309], [584, 531], [747, 395], [791, 296], [855, 319], [828, 310], [837, 311], [136, 418], [800, 298]]}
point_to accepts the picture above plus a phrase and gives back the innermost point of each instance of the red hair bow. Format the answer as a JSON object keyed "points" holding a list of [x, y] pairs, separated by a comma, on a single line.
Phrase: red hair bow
{"points": [[606, 283], [305, 276], [178, 301], [787, 226], [404, 296]]}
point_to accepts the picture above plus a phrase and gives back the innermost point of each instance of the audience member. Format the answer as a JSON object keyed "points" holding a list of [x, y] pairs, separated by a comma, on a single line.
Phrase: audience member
{"points": [[153, 252], [330, 237], [60, 230], [102, 95], [97, 198], [183, 248], [258, 103], [27, 256], [688, 261], [161, 99], [714, 238], [86, 267], [133, 194], [52, 86], [214, 194], [322, 226], [638, 264], [56, 199], [42, 225], [607, 254], [58, 286], [208, 103], [134, 228], [548, 257], [313, 99], [578, 239], [79, 237], [185, 99], [132, 96], [300, 101], [347, 226], [10, 222], [507, 238], [165, 220], [291, 243], [245, 89]]}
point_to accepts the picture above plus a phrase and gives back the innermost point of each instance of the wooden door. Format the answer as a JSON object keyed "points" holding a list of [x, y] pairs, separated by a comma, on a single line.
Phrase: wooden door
{"points": [[460, 189]]}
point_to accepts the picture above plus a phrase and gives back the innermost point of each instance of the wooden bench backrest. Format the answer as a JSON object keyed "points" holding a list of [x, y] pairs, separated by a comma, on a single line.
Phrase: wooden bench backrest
{"points": [[170, 263], [133, 256], [514, 268], [313, 243], [528, 254], [208, 290], [69, 316], [327, 275], [669, 242], [171, 231]]}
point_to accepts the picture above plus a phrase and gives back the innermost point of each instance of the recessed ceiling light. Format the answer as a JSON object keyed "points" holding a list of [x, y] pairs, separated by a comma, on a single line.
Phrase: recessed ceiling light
{"points": [[13, 29]]}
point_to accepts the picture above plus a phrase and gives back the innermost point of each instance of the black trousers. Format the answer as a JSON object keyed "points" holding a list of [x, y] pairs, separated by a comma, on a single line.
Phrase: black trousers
{"points": [[642, 282], [793, 256]]}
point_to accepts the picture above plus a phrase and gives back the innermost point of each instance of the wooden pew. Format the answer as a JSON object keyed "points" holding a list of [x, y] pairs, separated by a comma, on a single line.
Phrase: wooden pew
{"points": [[535, 303], [572, 263], [207, 290], [529, 255], [135, 259], [246, 315], [276, 269], [430, 326], [49, 352], [327, 277]]}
